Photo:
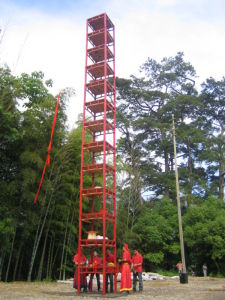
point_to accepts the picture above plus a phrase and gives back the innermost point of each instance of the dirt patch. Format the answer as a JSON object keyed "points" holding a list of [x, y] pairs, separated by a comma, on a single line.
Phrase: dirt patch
{"points": [[197, 289]]}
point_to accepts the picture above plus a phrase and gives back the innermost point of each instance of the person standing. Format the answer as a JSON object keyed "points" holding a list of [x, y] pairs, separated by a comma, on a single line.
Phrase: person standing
{"points": [[110, 270], [204, 269], [125, 284], [179, 267], [83, 279], [137, 261], [95, 262]]}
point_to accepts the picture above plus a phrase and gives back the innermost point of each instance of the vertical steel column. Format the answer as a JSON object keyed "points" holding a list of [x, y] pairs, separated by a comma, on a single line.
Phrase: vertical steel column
{"points": [[114, 156], [82, 163], [104, 152]]}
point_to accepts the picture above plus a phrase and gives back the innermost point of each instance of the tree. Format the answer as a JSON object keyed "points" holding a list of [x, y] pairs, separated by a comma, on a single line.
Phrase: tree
{"points": [[157, 229], [213, 121], [147, 105], [23, 149], [9, 163], [204, 227]]}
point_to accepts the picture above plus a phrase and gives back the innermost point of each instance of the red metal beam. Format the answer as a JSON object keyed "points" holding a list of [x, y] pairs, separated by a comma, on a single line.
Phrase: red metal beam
{"points": [[99, 69]]}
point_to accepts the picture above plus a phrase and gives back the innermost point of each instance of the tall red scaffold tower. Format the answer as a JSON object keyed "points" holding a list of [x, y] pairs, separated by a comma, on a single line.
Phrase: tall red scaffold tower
{"points": [[97, 212]]}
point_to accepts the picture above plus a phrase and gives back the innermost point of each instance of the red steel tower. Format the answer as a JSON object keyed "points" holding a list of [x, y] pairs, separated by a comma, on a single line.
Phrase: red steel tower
{"points": [[97, 212]]}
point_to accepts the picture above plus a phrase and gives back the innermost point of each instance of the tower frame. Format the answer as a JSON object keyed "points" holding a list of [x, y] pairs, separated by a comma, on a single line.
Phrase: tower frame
{"points": [[99, 124]]}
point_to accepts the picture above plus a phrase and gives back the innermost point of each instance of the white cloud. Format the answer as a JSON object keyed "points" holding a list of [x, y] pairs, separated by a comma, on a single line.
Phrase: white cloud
{"points": [[56, 44], [166, 2], [162, 35]]}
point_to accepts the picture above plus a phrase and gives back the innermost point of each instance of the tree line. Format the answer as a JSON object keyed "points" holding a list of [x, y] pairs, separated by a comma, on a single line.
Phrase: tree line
{"points": [[147, 194], [38, 242]]}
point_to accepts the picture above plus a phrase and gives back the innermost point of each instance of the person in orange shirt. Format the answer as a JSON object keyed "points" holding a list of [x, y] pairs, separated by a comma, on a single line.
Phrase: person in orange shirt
{"points": [[136, 263], [110, 270], [125, 284], [95, 262], [179, 267], [83, 279]]}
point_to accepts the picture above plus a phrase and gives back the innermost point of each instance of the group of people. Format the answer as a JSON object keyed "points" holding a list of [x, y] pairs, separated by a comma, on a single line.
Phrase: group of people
{"points": [[135, 262], [179, 266], [126, 264]]}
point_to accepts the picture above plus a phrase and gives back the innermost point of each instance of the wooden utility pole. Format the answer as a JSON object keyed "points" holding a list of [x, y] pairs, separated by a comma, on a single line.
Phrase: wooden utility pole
{"points": [[178, 201]]}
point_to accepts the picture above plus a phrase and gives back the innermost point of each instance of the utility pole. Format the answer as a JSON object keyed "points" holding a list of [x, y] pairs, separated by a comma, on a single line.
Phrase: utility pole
{"points": [[178, 205]]}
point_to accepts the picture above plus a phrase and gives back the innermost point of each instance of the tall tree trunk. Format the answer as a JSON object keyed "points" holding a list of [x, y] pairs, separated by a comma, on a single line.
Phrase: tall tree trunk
{"points": [[63, 250], [68, 245], [221, 180], [2, 260], [34, 246], [166, 155], [50, 259], [10, 257], [49, 254], [132, 158], [137, 177], [53, 260], [166, 162], [217, 266], [221, 165], [17, 261], [190, 168], [40, 227], [136, 202], [40, 269], [20, 267], [38, 239], [171, 163], [129, 202]]}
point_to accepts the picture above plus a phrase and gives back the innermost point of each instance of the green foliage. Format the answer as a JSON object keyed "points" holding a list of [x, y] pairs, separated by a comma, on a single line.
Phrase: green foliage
{"points": [[146, 161], [158, 231], [46, 234], [24, 138], [169, 273], [144, 118], [6, 230], [204, 227]]}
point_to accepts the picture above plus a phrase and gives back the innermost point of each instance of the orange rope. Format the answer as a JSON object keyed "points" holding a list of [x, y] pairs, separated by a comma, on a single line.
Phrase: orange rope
{"points": [[47, 162]]}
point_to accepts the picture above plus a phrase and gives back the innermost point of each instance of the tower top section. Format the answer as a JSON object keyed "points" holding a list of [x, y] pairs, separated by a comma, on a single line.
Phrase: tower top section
{"points": [[97, 22]]}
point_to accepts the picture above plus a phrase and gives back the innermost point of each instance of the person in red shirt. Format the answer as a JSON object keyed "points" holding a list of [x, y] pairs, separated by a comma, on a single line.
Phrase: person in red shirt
{"points": [[83, 279], [125, 284], [109, 270], [137, 261], [95, 262]]}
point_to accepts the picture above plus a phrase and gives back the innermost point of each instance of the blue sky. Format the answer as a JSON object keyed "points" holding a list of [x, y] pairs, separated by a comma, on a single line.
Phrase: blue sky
{"points": [[50, 36], [49, 6], [200, 9]]}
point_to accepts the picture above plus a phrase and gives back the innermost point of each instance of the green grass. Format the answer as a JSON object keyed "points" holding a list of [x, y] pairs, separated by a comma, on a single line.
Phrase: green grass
{"points": [[167, 273]]}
